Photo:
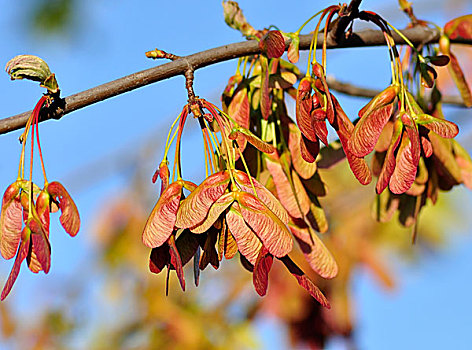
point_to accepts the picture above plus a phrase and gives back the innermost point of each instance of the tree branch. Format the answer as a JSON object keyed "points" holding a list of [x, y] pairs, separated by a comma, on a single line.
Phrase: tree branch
{"points": [[417, 35], [354, 90]]}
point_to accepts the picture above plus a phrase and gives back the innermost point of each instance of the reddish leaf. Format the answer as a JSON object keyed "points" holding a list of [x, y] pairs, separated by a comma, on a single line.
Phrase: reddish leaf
{"points": [[344, 127], [268, 227], [293, 53], [187, 245], [214, 213], [270, 201], [70, 219], [442, 127], [42, 208], [445, 161], [385, 137], [265, 93], [305, 169], [309, 149], [294, 199], [316, 254], [160, 224], [389, 162], [439, 60], [252, 139], [459, 27], [248, 243], [304, 106], [39, 257], [210, 255], [318, 70], [367, 131], [194, 208], [426, 146], [464, 162], [315, 185], [318, 120], [305, 282], [176, 262], [405, 169], [238, 109], [412, 132], [317, 217], [460, 81], [163, 173], [40, 247], [260, 276], [160, 258], [384, 98], [20, 256], [10, 222], [358, 165], [272, 44], [227, 245]]}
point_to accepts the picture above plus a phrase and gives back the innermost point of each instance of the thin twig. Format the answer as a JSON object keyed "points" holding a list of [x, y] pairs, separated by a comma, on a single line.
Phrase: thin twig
{"points": [[202, 59]]}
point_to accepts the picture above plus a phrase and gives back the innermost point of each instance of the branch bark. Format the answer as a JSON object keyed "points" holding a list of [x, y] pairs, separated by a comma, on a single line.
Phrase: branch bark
{"points": [[417, 35]]}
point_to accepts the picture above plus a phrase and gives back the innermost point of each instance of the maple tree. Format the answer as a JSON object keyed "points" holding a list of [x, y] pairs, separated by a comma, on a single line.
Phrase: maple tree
{"points": [[263, 168]]}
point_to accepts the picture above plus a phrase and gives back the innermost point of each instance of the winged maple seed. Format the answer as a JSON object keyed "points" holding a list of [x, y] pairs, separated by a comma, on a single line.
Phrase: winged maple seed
{"points": [[25, 212], [406, 146], [24, 225]]}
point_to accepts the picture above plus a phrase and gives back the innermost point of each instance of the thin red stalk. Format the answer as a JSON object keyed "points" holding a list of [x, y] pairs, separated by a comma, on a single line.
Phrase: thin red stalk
{"points": [[40, 104], [325, 35]]}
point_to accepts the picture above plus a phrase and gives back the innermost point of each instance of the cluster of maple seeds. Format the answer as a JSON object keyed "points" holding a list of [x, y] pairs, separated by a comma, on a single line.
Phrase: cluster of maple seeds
{"points": [[235, 211], [26, 208]]}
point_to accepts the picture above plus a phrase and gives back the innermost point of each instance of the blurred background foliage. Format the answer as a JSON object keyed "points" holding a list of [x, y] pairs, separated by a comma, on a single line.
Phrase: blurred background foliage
{"points": [[134, 312]]}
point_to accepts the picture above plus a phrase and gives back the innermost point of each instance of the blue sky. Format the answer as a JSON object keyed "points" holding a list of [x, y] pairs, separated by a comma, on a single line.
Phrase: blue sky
{"points": [[431, 309]]}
